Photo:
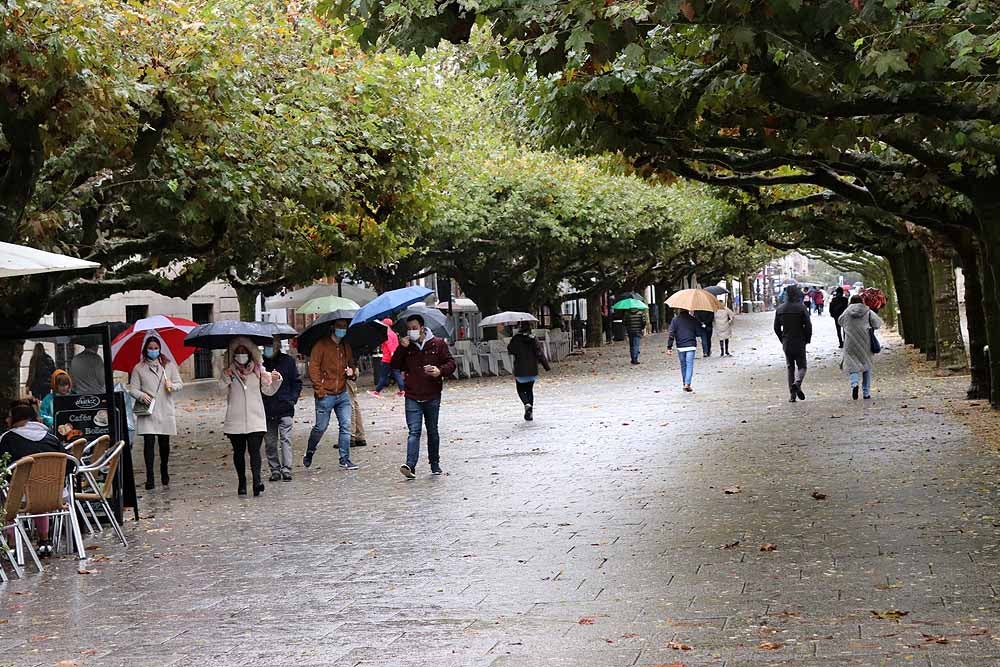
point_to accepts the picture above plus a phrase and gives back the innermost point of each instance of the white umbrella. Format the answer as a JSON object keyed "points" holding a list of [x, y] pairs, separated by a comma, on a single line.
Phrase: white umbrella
{"points": [[459, 305], [507, 317], [19, 260]]}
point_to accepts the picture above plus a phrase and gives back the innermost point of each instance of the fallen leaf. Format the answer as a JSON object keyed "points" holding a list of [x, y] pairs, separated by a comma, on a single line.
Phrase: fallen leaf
{"points": [[586, 621], [730, 490], [84, 570], [731, 545], [770, 646], [890, 614], [630, 635], [818, 496], [67, 663], [679, 646], [769, 547]]}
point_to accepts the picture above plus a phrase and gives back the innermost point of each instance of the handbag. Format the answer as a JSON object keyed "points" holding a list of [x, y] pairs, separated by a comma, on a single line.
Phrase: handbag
{"points": [[143, 410], [873, 339]]}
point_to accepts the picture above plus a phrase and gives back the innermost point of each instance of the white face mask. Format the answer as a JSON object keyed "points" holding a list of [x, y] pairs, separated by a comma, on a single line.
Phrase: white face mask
{"points": [[242, 359], [414, 334]]}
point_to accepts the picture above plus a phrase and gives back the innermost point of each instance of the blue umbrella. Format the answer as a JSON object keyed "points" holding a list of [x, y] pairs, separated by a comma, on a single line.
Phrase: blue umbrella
{"points": [[389, 302]]}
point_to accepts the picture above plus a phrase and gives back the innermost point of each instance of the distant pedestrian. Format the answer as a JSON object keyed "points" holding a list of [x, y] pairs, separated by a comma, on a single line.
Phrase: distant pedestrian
{"points": [[153, 383], [707, 320], [40, 370], [837, 307], [794, 329], [331, 364], [635, 327], [426, 360], [857, 322], [685, 330], [722, 329], [387, 371], [279, 411], [87, 369], [807, 299], [528, 353], [247, 382]]}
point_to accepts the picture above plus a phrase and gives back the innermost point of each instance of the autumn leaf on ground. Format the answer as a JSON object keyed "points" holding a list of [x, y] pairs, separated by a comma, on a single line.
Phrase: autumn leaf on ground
{"points": [[731, 490], [770, 646], [84, 570], [890, 614], [67, 663], [586, 621], [630, 635], [768, 547], [731, 545], [679, 646], [818, 496]]}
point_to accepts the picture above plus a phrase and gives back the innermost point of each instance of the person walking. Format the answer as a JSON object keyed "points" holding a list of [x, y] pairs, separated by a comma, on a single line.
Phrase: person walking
{"points": [[857, 322], [388, 349], [331, 364], [426, 361], [819, 299], [247, 382], [837, 307], [87, 369], [635, 327], [794, 329], [722, 328], [40, 370], [707, 320], [685, 329], [279, 409], [528, 353], [153, 383]]}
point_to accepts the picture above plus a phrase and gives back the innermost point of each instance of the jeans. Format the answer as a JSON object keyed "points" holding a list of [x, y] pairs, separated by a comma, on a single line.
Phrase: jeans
{"points": [[795, 358], [339, 404], [278, 444], [866, 380], [242, 443], [634, 343], [383, 378], [426, 412], [706, 341], [687, 366], [526, 392]]}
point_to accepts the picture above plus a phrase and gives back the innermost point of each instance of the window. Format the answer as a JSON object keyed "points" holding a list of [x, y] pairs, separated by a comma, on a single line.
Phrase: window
{"points": [[135, 313], [202, 314], [64, 351]]}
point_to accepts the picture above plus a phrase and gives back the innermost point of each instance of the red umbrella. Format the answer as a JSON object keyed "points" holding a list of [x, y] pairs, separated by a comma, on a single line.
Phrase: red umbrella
{"points": [[126, 348]]}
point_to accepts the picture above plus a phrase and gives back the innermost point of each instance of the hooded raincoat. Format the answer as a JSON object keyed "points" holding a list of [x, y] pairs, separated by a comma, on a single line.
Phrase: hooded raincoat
{"points": [[856, 321]]}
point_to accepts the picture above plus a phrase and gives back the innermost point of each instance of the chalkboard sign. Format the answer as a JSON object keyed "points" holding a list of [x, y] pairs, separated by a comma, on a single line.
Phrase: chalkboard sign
{"points": [[81, 416]]}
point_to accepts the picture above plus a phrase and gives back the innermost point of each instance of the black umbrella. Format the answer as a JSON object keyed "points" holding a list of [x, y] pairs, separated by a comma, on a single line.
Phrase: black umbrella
{"points": [[716, 290], [435, 320], [217, 335], [281, 330], [362, 337]]}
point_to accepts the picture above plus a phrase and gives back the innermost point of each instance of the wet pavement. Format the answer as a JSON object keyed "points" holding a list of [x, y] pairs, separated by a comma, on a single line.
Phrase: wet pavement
{"points": [[629, 524]]}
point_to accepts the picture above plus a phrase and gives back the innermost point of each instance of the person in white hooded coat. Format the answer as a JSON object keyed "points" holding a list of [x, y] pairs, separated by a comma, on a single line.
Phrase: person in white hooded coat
{"points": [[859, 359], [246, 382], [722, 328]]}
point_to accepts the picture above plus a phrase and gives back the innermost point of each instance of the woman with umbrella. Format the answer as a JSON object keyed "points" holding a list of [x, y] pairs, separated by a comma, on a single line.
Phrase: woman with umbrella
{"points": [[685, 328], [247, 382], [152, 383], [527, 353]]}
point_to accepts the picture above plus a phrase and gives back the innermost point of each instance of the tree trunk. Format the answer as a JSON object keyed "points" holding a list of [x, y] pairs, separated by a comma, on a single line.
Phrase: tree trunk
{"points": [[918, 271], [247, 297], [989, 240], [901, 279], [746, 291], [975, 315], [663, 312], [10, 371], [595, 321], [948, 341]]}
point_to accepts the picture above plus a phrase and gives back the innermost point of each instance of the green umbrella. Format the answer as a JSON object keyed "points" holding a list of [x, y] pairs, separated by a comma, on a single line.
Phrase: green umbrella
{"points": [[326, 304], [630, 304]]}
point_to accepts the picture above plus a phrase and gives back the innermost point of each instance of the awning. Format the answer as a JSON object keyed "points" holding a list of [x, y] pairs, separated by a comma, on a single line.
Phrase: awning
{"points": [[295, 299], [19, 260], [459, 305]]}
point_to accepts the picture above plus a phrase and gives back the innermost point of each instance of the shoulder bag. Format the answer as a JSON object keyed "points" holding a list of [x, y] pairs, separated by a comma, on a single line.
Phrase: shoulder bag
{"points": [[876, 346]]}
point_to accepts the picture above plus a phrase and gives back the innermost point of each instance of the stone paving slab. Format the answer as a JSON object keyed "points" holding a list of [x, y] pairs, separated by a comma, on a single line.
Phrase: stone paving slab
{"points": [[596, 535]]}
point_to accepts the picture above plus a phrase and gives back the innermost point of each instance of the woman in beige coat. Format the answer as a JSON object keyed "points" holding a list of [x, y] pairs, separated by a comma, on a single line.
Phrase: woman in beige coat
{"points": [[155, 380], [247, 381]]}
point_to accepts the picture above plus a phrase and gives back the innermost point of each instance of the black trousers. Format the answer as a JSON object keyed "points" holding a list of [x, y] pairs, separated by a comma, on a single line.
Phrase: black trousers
{"points": [[242, 443], [149, 454], [724, 346], [840, 333], [795, 358], [526, 391]]}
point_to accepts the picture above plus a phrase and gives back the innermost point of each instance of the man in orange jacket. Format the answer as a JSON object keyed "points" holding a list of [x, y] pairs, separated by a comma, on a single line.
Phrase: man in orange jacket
{"points": [[331, 364]]}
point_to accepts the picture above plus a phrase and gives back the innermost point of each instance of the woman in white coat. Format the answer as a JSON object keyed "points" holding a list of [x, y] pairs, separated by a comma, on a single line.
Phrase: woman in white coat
{"points": [[857, 322], [247, 382], [154, 381], [722, 329]]}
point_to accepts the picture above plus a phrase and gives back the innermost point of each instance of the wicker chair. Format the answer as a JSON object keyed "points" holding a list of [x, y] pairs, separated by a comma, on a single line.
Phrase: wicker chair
{"points": [[13, 494], [46, 491], [100, 492]]}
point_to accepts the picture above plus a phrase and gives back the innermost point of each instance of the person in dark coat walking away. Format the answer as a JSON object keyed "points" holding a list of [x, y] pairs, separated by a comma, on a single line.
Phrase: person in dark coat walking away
{"points": [[707, 321], [794, 329], [837, 307], [635, 327], [527, 353], [685, 329], [425, 361], [40, 371], [279, 409]]}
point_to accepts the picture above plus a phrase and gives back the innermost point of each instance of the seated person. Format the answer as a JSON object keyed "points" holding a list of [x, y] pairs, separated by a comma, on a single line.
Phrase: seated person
{"points": [[62, 384], [27, 436]]}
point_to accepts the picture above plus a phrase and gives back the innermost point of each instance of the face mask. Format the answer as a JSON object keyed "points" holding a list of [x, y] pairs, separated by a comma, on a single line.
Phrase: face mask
{"points": [[268, 351], [340, 333], [413, 334], [153, 354], [242, 359]]}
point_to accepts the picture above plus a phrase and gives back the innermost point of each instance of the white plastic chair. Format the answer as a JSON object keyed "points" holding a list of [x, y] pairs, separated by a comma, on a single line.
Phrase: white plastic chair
{"points": [[466, 349], [461, 362], [500, 358]]}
